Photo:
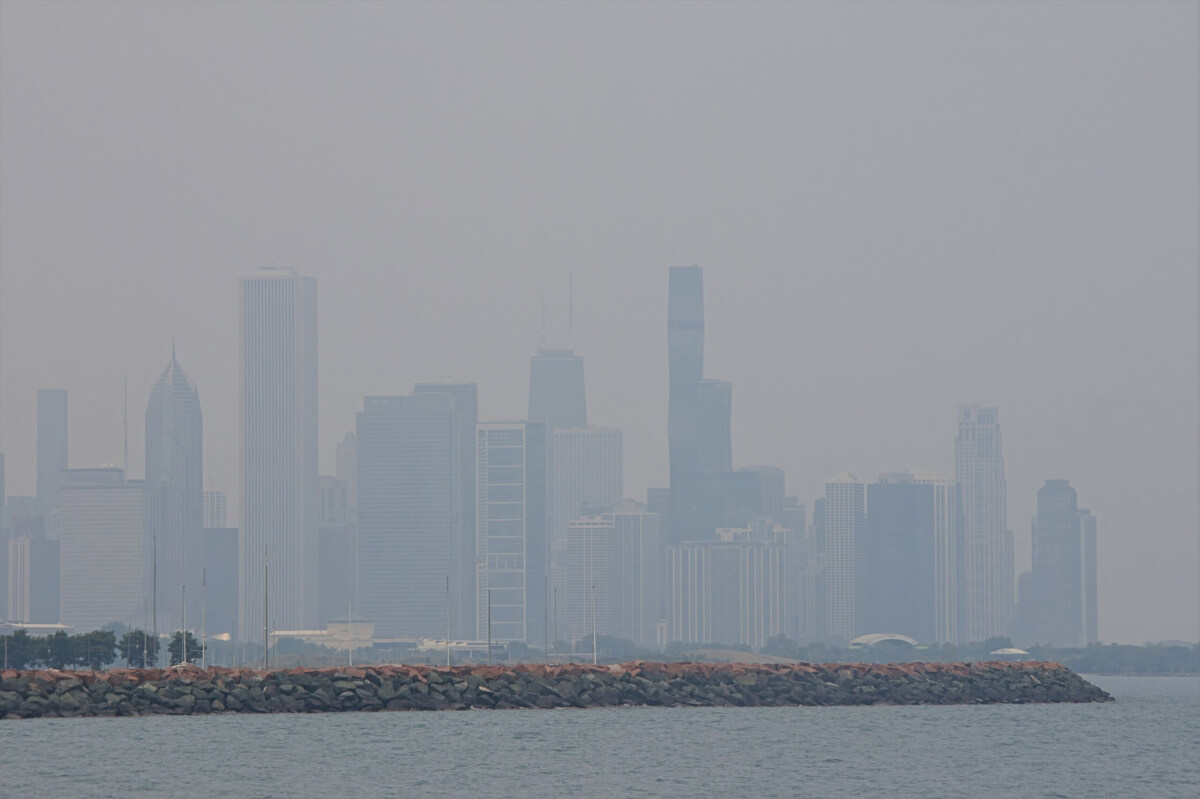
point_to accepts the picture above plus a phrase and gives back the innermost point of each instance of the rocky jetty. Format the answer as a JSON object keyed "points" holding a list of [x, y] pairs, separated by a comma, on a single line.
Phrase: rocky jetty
{"points": [[189, 691]]}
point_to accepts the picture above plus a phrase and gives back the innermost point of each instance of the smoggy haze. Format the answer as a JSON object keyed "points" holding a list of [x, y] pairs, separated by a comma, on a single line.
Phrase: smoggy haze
{"points": [[898, 207]]}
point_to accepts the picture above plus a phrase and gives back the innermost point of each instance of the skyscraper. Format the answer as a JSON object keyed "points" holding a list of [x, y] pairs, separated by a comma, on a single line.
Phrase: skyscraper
{"points": [[947, 555], [556, 389], [278, 450], [214, 509], [346, 469], [466, 414], [1091, 623], [409, 506], [100, 525], [512, 518], [174, 503], [897, 586], [1057, 584], [51, 444], [987, 579], [705, 492], [844, 525], [685, 357], [587, 473]]}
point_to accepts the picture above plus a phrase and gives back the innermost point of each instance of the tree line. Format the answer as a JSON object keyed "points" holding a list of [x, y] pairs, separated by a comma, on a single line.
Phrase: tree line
{"points": [[96, 650]]}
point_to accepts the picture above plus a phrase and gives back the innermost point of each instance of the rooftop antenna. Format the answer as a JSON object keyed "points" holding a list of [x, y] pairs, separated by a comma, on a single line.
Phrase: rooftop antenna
{"points": [[570, 310]]}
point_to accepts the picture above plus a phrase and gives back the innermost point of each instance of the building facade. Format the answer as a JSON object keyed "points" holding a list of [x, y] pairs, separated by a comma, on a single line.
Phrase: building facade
{"points": [[409, 508], [843, 527], [1057, 584], [557, 394], [279, 497], [99, 525], [897, 580], [512, 510], [987, 586], [947, 555], [174, 501]]}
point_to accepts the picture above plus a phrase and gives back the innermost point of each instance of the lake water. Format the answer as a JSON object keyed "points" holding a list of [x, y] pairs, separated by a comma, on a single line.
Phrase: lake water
{"points": [[1147, 744]]}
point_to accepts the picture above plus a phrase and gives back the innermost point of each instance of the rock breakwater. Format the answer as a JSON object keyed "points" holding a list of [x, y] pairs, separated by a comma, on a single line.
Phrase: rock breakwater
{"points": [[188, 691]]}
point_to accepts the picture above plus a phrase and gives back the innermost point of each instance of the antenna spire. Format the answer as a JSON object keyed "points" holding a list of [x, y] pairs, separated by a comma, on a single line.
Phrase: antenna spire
{"points": [[570, 309], [542, 332], [125, 421]]}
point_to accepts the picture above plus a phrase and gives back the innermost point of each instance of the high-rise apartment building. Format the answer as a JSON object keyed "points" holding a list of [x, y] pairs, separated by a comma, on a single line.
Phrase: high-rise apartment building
{"points": [[1057, 585], [512, 514], [947, 555], [174, 501], [844, 523], [556, 389], [466, 414], [51, 444], [409, 508], [279, 495], [99, 524], [986, 588]]}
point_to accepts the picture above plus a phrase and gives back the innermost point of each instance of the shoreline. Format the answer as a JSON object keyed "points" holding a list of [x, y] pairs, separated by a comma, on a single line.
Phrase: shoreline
{"points": [[191, 691]]}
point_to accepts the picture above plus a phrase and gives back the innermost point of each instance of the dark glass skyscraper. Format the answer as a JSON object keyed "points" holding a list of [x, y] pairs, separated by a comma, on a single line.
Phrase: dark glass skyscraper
{"points": [[897, 583], [174, 503], [556, 389], [699, 416]]}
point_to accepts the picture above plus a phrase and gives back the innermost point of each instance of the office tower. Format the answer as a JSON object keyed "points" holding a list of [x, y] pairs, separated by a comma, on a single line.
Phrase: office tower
{"points": [[1057, 584], [51, 444], [586, 473], [214, 509], [591, 567], [714, 442], [947, 555], [556, 389], [466, 412], [513, 516], [211, 575], [770, 482], [408, 514], [278, 451], [731, 591], [639, 584], [1091, 624], [99, 525], [800, 624], [32, 579], [3, 498], [174, 502], [896, 592], [346, 469], [844, 527], [816, 559], [685, 356], [335, 573], [986, 588]]}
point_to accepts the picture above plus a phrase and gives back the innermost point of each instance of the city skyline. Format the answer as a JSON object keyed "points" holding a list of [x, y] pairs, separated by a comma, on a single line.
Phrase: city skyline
{"points": [[859, 286]]}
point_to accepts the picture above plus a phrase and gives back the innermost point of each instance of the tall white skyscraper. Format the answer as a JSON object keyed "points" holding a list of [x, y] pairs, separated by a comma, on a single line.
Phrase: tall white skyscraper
{"points": [[845, 528], [174, 509], [278, 450], [99, 524], [947, 554], [987, 585]]}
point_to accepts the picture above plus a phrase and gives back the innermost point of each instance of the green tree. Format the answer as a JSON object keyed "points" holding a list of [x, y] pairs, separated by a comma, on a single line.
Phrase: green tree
{"points": [[95, 650], [22, 651], [59, 650], [176, 647], [139, 649]]}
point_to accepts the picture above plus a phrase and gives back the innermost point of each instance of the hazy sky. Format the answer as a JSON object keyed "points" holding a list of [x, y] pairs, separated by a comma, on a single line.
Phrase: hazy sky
{"points": [[898, 207]]}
